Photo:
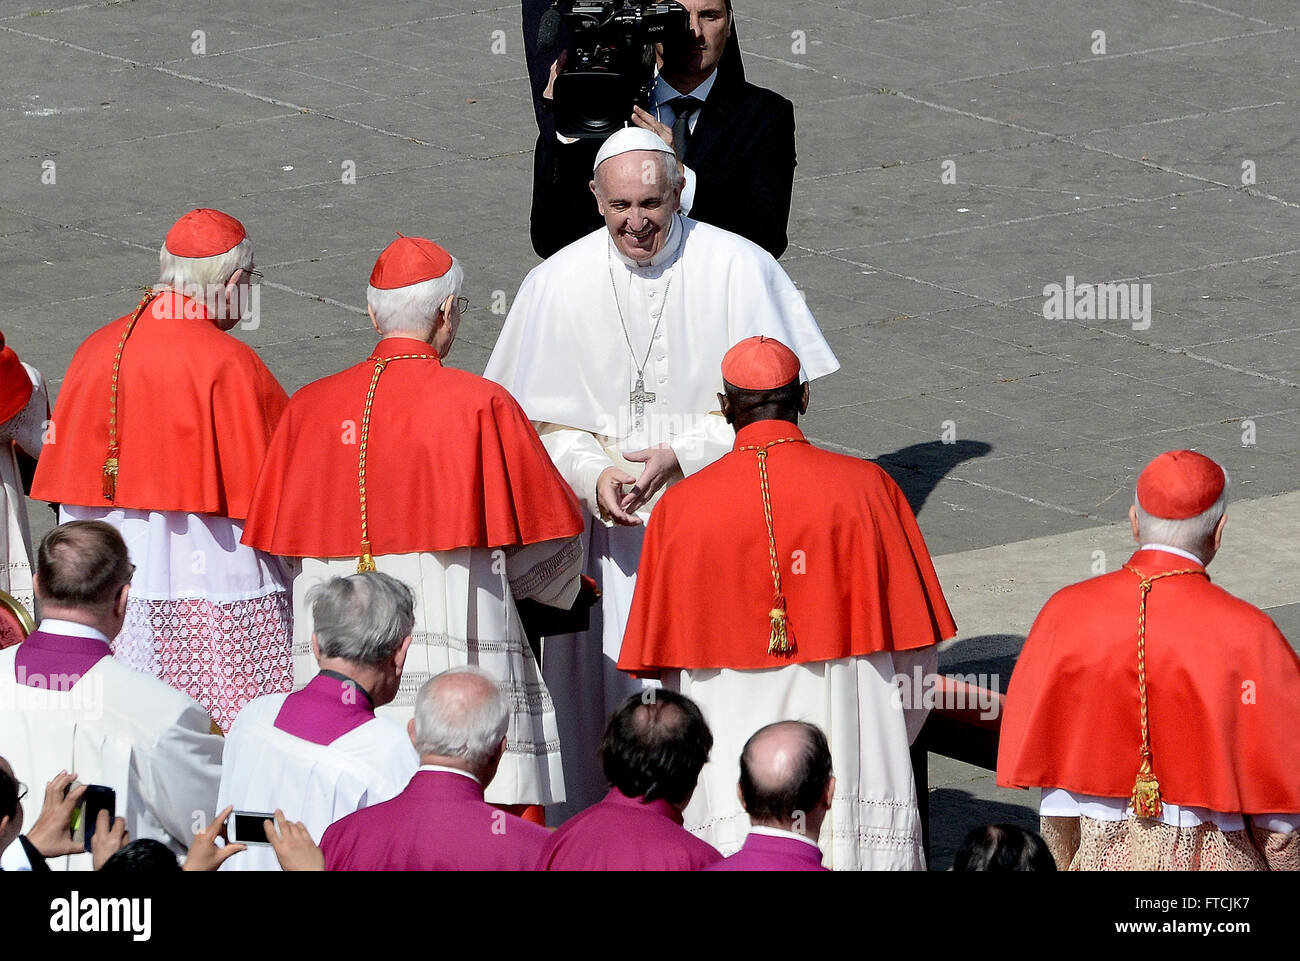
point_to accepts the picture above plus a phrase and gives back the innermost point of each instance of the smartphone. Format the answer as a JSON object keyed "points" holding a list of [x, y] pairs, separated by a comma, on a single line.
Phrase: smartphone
{"points": [[86, 814], [246, 827]]}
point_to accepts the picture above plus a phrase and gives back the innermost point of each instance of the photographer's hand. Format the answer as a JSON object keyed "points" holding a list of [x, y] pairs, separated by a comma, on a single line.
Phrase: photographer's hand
{"points": [[643, 118], [549, 92], [50, 834]]}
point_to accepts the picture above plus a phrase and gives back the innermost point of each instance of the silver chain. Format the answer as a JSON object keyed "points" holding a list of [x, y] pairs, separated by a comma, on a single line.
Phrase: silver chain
{"points": [[663, 307]]}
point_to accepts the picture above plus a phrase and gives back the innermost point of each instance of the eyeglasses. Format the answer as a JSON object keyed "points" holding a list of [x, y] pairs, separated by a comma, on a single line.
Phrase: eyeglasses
{"points": [[257, 274], [462, 304], [22, 790]]}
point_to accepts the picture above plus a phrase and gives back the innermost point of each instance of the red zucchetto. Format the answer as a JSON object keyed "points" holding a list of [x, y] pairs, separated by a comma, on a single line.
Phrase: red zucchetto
{"points": [[407, 261], [1180, 484], [759, 363], [204, 232]]}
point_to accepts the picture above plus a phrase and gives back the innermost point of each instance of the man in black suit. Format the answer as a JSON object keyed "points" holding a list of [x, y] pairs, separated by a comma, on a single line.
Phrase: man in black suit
{"points": [[735, 139]]}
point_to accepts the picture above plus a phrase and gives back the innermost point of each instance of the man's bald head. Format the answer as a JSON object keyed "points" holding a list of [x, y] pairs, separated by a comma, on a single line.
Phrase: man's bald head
{"points": [[785, 775], [655, 746]]}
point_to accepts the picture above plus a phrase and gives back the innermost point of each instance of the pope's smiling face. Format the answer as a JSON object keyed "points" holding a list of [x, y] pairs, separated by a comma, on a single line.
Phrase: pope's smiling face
{"points": [[635, 198]]}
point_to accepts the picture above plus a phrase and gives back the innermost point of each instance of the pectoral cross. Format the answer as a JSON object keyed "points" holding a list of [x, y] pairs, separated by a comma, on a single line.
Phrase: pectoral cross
{"points": [[639, 398]]}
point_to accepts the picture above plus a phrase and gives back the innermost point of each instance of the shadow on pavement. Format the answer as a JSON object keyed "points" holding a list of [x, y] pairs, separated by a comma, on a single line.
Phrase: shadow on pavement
{"points": [[918, 468]]}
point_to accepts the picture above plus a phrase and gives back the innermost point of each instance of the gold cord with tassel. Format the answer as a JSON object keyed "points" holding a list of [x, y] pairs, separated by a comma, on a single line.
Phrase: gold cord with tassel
{"points": [[366, 562], [111, 462], [1146, 788], [781, 641]]}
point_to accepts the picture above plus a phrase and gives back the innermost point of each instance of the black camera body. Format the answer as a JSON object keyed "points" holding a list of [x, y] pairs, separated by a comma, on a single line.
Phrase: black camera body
{"points": [[611, 60]]}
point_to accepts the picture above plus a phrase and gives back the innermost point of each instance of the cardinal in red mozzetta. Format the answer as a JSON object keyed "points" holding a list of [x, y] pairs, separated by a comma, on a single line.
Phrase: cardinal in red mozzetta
{"points": [[787, 582], [435, 476], [160, 429], [1159, 714]]}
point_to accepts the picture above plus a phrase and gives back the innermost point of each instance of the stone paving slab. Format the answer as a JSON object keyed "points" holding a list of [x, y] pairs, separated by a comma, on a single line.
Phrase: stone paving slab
{"points": [[1116, 167]]}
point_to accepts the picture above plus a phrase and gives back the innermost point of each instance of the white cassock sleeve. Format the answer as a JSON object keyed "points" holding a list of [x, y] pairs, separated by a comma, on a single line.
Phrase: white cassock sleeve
{"points": [[579, 458], [688, 191], [905, 663], [179, 776], [549, 572], [708, 439]]}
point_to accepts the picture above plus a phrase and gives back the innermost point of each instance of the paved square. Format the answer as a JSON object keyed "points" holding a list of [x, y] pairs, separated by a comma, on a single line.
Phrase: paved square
{"points": [[953, 163]]}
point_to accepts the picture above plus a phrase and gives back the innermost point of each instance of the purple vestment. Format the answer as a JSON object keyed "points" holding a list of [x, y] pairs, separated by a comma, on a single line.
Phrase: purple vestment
{"points": [[626, 834], [440, 822], [324, 710], [56, 661], [764, 852]]}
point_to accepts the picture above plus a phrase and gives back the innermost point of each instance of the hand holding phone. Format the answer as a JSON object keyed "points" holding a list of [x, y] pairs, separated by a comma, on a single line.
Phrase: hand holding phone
{"points": [[204, 854], [85, 816]]}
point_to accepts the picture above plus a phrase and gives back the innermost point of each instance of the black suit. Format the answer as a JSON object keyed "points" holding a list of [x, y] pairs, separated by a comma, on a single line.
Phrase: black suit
{"points": [[742, 152]]}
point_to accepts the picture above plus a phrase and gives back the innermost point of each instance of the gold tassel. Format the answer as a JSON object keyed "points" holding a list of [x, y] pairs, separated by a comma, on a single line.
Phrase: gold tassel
{"points": [[110, 478], [367, 560], [1146, 791], [782, 640]]}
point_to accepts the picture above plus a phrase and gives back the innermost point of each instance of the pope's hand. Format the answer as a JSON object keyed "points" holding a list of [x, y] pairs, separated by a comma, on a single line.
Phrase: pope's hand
{"points": [[643, 118], [609, 495], [660, 467]]}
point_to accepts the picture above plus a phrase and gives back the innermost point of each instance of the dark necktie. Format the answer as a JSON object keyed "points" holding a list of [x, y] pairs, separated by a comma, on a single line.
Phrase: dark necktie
{"points": [[683, 108]]}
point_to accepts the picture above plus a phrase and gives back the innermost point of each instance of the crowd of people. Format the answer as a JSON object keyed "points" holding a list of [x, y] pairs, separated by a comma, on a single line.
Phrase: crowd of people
{"points": [[604, 608]]}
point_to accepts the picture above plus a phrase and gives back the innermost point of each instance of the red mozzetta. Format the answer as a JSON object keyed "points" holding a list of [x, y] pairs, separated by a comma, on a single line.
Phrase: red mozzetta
{"points": [[1223, 689], [196, 409], [474, 474], [854, 568]]}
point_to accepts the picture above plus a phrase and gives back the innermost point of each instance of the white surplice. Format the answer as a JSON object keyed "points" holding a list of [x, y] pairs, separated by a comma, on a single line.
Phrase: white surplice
{"points": [[267, 768], [465, 614], [206, 614], [117, 727], [874, 823], [564, 354]]}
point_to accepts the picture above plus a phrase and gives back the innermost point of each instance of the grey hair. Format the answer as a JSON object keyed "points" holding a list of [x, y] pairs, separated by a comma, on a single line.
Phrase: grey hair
{"points": [[180, 272], [674, 176], [1190, 534], [414, 308], [362, 617], [459, 727]]}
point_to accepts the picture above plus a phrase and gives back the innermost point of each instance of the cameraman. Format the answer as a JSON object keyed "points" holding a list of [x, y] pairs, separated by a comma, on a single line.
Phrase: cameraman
{"points": [[738, 145]]}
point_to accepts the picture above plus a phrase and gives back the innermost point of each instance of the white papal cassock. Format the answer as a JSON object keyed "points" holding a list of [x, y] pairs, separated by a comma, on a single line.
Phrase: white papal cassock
{"points": [[565, 356], [465, 614], [155, 747]]}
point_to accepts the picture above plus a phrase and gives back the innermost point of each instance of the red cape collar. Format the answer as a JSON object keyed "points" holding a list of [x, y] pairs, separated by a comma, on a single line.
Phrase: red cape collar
{"points": [[763, 432], [401, 346], [1159, 562]]}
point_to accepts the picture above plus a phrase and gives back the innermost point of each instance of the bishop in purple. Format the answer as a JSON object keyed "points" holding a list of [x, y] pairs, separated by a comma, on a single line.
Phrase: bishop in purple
{"points": [[786, 787], [654, 748], [440, 822]]}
